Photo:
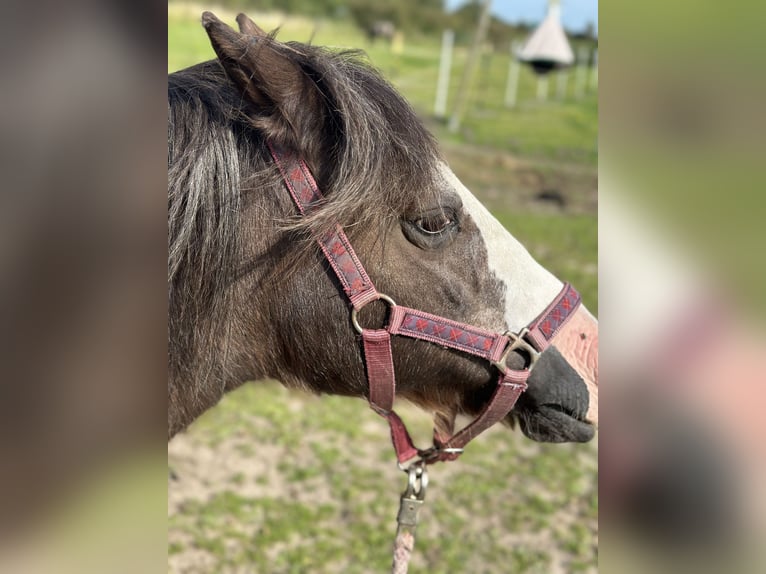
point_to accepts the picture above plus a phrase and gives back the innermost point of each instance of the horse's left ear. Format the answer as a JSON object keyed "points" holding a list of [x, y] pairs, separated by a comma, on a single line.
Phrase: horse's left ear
{"points": [[284, 101]]}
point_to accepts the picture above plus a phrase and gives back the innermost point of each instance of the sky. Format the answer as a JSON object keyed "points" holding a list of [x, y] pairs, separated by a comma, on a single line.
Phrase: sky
{"points": [[575, 14]]}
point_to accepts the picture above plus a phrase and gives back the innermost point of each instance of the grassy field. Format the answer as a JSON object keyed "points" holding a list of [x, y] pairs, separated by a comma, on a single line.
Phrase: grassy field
{"points": [[552, 130], [277, 481]]}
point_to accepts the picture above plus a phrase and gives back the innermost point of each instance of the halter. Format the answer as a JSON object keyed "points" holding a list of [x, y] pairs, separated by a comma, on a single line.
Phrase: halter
{"points": [[402, 321]]}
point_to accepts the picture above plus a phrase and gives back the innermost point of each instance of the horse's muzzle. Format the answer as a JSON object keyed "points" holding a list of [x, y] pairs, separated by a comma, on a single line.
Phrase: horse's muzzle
{"points": [[561, 401]]}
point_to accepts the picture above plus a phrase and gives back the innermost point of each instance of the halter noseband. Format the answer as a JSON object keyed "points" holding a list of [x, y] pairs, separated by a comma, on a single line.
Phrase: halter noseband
{"points": [[490, 346]]}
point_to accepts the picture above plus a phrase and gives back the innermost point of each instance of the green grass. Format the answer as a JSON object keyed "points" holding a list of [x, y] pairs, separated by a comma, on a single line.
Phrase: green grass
{"points": [[329, 502], [556, 130], [334, 505], [565, 245]]}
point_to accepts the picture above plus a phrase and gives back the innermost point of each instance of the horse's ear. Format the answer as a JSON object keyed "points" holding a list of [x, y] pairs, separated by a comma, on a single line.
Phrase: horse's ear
{"points": [[247, 26], [285, 101]]}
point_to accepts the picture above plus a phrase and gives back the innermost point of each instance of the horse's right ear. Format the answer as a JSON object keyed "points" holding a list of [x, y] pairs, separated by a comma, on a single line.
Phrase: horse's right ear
{"points": [[285, 101]]}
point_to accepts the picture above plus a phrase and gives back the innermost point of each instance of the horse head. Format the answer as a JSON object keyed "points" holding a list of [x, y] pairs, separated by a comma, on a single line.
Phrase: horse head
{"points": [[251, 296]]}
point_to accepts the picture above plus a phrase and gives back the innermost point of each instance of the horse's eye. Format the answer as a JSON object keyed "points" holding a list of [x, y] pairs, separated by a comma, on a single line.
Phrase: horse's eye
{"points": [[434, 224], [432, 229]]}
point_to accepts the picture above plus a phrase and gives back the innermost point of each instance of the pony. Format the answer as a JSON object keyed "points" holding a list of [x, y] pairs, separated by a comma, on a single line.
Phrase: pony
{"points": [[380, 29], [250, 295]]}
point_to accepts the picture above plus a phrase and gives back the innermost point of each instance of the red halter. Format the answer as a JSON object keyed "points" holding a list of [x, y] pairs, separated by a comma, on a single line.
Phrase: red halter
{"points": [[492, 347]]}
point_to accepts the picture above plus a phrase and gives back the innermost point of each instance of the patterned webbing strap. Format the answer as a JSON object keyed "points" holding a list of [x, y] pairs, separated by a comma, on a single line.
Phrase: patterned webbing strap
{"points": [[416, 324], [335, 245]]}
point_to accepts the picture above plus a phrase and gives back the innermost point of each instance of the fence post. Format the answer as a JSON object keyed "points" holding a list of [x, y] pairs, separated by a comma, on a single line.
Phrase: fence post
{"points": [[542, 88], [582, 70], [594, 72], [470, 68], [512, 85], [445, 66], [563, 79]]}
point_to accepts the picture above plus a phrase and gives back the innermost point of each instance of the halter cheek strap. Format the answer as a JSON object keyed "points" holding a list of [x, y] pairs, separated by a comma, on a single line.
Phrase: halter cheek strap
{"points": [[403, 321]]}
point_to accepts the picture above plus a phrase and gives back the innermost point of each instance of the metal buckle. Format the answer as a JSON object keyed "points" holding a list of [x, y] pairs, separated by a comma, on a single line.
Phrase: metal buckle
{"points": [[354, 312], [517, 341]]}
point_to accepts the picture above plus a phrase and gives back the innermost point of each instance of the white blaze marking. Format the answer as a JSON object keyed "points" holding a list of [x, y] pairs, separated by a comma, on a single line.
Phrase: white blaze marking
{"points": [[530, 288]]}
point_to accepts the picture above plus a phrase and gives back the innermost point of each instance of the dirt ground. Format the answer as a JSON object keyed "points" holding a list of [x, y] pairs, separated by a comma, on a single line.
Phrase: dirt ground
{"points": [[259, 495]]}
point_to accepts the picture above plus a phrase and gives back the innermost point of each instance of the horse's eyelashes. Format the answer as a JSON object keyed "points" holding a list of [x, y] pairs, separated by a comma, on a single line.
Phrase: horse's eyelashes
{"points": [[432, 229], [434, 224]]}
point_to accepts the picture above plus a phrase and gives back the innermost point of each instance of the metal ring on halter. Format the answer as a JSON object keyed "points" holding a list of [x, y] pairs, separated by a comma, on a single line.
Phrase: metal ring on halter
{"points": [[517, 341], [427, 456], [417, 481], [355, 321]]}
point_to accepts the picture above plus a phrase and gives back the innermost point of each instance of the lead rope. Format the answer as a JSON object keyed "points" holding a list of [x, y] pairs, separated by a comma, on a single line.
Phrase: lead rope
{"points": [[407, 520]]}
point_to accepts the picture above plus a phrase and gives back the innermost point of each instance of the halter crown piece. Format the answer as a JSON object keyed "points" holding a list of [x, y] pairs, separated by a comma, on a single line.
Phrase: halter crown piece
{"points": [[403, 321]]}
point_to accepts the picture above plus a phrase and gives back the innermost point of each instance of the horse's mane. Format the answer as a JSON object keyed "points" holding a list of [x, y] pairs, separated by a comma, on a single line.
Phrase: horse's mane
{"points": [[380, 163]]}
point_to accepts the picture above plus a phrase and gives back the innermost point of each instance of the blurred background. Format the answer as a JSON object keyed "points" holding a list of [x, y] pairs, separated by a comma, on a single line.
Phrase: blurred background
{"points": [[84, 471], [681, 278], [278, 481]]}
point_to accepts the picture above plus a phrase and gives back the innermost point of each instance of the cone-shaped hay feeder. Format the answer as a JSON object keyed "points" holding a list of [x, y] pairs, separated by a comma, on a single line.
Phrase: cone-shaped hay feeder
{"points": [[547, 48]]}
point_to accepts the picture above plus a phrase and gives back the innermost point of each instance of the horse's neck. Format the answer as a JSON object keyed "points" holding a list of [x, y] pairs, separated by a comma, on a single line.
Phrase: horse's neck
{"points": [[208, 363]]}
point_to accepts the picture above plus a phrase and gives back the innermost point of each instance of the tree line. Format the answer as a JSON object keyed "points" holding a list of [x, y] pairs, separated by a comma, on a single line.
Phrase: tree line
{"points": [[424, 17]]}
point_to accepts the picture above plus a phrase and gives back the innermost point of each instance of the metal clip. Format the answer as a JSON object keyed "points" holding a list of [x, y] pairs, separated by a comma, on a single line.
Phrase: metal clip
{"points": [[414, 496], [408, 511], [517, 341]]}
